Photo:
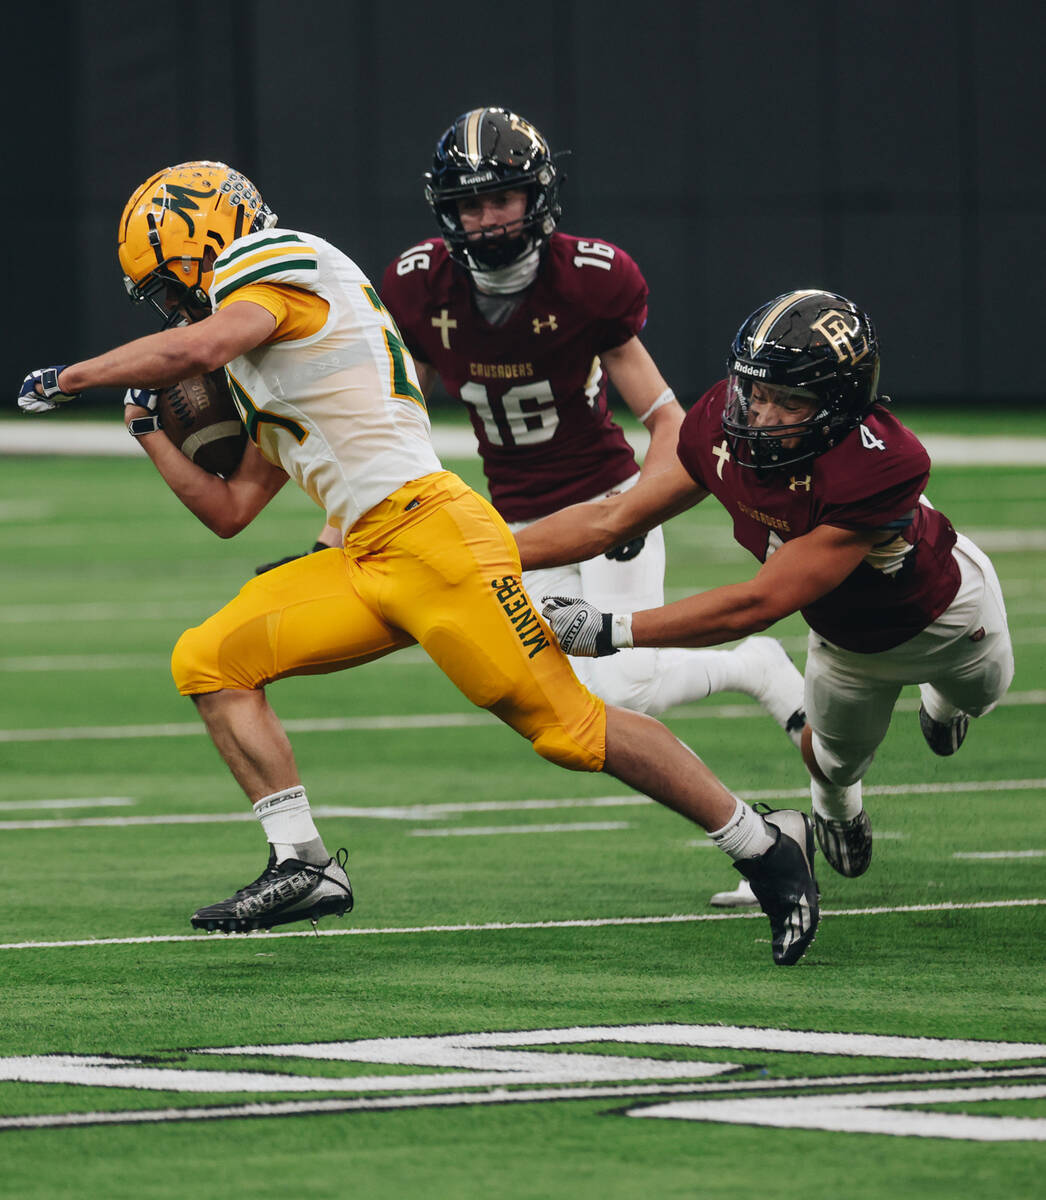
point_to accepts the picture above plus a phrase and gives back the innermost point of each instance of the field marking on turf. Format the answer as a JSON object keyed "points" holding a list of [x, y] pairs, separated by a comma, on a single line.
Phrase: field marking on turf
{"points": [[1000, 854], [94, 802], [508, 926], [409, 657], [85, 438], [291, 1108], [472, 720], [434, 812], [484, 830], [87, 662], [47, 614]]}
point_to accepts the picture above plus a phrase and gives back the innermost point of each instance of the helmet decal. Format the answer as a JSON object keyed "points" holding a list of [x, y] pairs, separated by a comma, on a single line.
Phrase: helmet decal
{"points": [[838, 333], [776, 311], [181, 201]]}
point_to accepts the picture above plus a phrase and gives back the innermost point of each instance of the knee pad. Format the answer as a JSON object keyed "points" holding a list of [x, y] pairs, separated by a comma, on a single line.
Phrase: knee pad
{"points": [[194, 664], [842, 771], [559, 748]]}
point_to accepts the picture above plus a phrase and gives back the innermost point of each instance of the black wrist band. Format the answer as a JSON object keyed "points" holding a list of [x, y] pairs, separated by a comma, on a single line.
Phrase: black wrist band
{"points": [[139, 426]]}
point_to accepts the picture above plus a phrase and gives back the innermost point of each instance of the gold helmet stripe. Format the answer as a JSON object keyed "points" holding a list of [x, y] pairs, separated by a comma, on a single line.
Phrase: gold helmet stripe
{"points": [[778, 311], [473, 123]]}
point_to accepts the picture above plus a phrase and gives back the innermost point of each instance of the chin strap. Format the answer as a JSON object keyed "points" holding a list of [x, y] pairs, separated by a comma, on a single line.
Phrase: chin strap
{"points": [[516, 277]]}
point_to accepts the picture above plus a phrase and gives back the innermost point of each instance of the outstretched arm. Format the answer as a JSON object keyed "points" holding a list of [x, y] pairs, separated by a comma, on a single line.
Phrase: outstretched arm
{"points": [[643, 388], [163, 359], [584, 530], [799, 572], [166, 358]]}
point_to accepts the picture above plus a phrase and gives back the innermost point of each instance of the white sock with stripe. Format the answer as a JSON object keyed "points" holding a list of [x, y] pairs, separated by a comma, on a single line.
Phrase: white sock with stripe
{"points": [[287, 820], [745, 835]]}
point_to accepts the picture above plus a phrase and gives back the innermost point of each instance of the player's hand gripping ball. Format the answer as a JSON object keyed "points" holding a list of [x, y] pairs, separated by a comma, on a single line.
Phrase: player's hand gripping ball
{"points": [[200, 418]]}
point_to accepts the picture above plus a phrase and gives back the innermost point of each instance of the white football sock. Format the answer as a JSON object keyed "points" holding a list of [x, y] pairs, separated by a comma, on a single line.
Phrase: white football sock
{"points": [[832, 801], [745, 835], [287, 820]]}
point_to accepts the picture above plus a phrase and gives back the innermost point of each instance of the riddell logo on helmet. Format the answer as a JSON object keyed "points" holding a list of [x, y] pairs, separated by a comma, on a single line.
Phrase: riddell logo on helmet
{"points": [[482, 177], [743, 368]]}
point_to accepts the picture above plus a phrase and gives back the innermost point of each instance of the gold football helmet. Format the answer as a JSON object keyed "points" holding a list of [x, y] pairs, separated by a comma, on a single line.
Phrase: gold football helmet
{"points": [[173, 228]]}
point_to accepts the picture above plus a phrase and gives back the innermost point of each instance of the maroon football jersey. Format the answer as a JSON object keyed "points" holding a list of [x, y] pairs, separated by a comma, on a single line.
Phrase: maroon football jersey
{"points": [[871, 480], [534, 387]]}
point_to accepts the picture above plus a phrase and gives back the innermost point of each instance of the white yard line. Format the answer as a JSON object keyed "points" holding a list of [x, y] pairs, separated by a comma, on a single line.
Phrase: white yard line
{"points": [[86, 802], [486, 830], [475, 719], [435, 812], [507, 926], [64, 436], [1001, 854]]}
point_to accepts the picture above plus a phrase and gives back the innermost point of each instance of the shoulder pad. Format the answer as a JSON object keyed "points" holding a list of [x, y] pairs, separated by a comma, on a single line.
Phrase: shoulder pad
{"points": [[269, 256]]}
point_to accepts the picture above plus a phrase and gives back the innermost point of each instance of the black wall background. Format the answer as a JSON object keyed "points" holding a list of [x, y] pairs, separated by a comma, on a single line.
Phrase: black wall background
{"points": [[891, 151]]}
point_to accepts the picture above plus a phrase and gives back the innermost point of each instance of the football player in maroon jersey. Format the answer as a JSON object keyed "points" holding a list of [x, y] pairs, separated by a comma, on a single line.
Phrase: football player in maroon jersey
{"points": [[525, 325], [825, 488]]}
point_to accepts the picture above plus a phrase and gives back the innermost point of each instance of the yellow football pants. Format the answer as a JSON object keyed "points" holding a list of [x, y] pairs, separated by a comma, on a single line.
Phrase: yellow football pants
{"points": [[433, 564]]}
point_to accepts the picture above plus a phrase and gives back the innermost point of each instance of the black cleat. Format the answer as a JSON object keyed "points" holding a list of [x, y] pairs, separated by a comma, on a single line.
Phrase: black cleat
{"points": [[846, 844], [784, 884], [943, 737], [288, 891]]}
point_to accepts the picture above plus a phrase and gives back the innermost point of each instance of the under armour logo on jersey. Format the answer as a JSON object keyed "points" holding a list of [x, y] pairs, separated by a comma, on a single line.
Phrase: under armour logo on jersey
{"points": [[796, 484], [723, 454], [868, 439], [552, 324], [444, 323]]}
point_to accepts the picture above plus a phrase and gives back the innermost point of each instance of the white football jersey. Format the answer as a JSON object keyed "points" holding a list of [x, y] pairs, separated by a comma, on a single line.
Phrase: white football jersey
{"points": [[341, 411]]}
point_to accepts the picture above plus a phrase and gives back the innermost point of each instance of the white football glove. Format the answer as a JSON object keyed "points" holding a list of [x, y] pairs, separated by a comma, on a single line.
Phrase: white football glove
{"points": [[143, 397], [581, 629], [50, 394]]}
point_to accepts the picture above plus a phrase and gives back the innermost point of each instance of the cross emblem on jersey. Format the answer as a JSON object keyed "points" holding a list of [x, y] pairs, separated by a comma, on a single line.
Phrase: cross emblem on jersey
{"points": [[551, 324], [444, 323], [723, 454]]}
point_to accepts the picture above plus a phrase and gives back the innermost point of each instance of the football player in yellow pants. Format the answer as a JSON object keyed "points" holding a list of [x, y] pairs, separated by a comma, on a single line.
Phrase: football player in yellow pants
{"points": [[331, 398]]}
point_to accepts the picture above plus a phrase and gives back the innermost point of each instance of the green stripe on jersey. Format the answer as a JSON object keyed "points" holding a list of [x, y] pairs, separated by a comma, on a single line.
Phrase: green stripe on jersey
{"points": [[229, 255], [276, 267]]}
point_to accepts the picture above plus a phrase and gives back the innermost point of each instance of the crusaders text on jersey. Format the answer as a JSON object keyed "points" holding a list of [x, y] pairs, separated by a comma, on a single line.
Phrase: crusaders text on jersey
{"points": [[534, 386]]}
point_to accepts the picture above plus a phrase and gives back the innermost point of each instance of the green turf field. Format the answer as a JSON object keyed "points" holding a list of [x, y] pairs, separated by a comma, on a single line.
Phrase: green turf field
{"points": [[648, 1047]]}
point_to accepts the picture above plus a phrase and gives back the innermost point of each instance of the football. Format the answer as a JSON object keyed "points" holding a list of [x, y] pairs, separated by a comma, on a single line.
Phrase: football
{"points": [[200, 417]]}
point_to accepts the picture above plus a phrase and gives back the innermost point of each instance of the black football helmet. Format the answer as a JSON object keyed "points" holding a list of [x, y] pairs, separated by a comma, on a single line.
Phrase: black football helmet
{"points": [[816, 344], [488, 150]]}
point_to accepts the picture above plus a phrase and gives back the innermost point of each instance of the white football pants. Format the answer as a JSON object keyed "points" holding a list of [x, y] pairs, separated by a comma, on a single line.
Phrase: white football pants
{"points": [[644, 680], [963, 662]]}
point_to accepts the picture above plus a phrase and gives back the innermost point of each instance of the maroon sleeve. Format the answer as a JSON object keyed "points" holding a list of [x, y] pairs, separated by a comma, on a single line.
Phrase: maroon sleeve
{"points": [[695, 440], [404, 307], [625, 303], [874, 478]]}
